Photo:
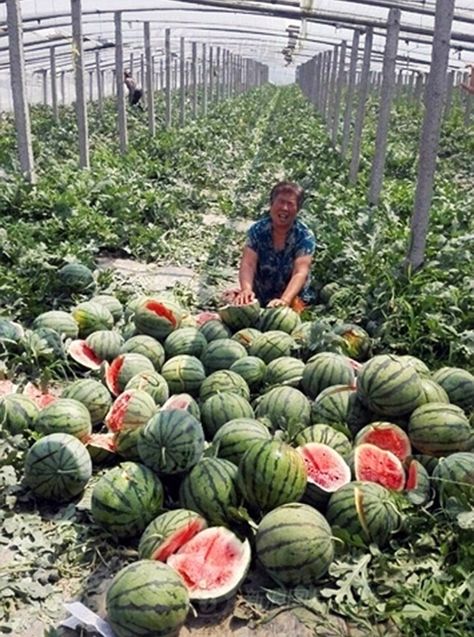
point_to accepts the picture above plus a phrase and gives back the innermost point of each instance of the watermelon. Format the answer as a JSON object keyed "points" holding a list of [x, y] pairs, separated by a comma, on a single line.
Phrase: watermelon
{"points": [[11, 334], [166, 533], [123, 368], [152, 383], [111, 303], [224, 380], [75, 277], [62, 322], [132, 305], [326, 471], [106, 344], [57, 467], [83, 354], [326, 435], [327, 291], [171, 442], [101, 447], [233, 439], [324, 370], [91, 317], [284, 370], [237, 317], [186, 340], [214, 329], [157, 318], [458, 384], [438, 429], [372, 464], [185, 402], [287, 409], [64, 415], [252, 370], [126, 443], [93, 395], [357, 343], [294, 545], [7, 387], [221, 353], [210, 489], [280, 318], [333, 405], [417, 485], [18, 413], [246, 336], [386, 435], [421, 367], [147, 599], [131, 409], [271, 473], [183, 373], [126, 499], [203, 317], [389, 386], [147, 346], [365, 509], [302, 337], [271, 345], [43, 344], [213, 564], [432, 392], [41, 396], [453, 478], [220, 408]]}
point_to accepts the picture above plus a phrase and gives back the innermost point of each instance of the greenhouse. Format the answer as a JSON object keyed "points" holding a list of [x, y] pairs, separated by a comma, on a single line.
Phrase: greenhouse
{"points": [[236, 318]]}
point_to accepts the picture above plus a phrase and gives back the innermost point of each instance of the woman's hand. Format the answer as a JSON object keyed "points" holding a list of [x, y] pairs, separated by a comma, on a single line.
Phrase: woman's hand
{"points": [[243, 297], [277, 303]]}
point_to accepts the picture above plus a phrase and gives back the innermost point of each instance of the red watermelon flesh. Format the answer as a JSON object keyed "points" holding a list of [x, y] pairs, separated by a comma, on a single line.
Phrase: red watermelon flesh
{"points": [[161, 310], [326, 468], [112, 373], [117, 412], [7, 387], [204, 317], [412, 476], [83, 354], [178, 539], [386, 435], [373, 464], [177, 401], [212, 564], [102, 441], [42, 397]]}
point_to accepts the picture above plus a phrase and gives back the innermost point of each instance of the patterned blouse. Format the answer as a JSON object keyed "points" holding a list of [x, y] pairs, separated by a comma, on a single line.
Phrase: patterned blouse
{"points": [[274, 267]]}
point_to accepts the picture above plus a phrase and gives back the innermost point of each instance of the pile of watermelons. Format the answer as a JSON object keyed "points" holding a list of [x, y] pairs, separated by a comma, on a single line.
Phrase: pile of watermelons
{"points": [[228, 437]]}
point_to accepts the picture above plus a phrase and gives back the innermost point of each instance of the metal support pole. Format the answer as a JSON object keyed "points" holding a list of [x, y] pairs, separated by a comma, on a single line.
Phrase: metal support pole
{"points": [[44, 82], [218, 74], [386, 99], [62, 86], [211, 74], [54, 82], [194, 78], [449, 93], [119, 75], [204, 79], [360, 115], [337, 98], [100, 92], [149, 79], [430, 134], [350, 93], [91, 85], [78, 63], [182, 88], [168, 77]]}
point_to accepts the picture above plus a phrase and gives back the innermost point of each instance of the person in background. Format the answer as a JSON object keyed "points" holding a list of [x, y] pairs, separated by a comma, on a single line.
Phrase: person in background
{"points": [[276, 260], [135, 94], [469, 85]]}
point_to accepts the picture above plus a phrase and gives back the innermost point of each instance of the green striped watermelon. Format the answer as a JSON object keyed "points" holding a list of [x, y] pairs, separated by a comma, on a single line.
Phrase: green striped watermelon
{"points": [[453, 478], [220, 408], [43, 344], [421, 367], [75, 277], [356, 341], [18, 413], [280, 318], [105, 344], [221, 353], [123, 368], [252, 370], [458, 384], [294, 544], [166, 533], [93, 395], [233, 439], [432, 392], [157, 317], [111, 303], [64, 415], [324, 370], [171, 442], [132, 409], [147, 599], [186, 340], [389, 386], [271, 473], [236, 317], [272, 344], [183, 373], [126, 499], [58, 320], [214, 329], [287, 409], [365, 509], [246, 336], [284, 370], [91, 317], [224, 380], [152, 383], [326, 435], [333, 405], [147, 346], [438, 429], [57, 467], [210, 488], [126, 443]]}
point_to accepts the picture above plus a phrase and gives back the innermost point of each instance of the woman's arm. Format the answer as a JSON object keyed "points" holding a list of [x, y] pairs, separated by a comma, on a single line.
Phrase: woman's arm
{"points": [[248, 267], [299, 275]]}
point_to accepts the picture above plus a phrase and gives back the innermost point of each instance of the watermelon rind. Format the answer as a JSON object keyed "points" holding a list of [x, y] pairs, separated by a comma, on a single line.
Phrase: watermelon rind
{"points": [[438, 429], [167, 532]]}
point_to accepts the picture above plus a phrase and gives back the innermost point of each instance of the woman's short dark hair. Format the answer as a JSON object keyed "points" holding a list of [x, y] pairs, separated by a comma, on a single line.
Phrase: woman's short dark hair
{"points": [[287, 187]]}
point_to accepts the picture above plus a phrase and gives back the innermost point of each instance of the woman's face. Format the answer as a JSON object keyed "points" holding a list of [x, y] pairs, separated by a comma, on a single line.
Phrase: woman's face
{"points": [[283, 210]]}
